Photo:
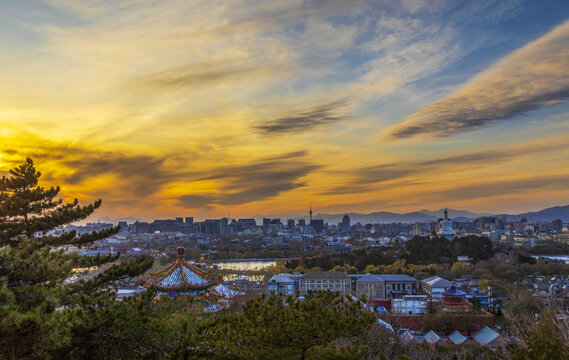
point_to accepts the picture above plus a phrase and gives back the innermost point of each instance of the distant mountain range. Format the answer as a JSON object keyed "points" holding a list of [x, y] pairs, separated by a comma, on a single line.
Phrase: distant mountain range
{"points": [[425, 216], [422, 216]]}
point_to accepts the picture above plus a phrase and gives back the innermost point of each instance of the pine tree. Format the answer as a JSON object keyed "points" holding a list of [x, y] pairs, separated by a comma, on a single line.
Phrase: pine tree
{"points": [[33, 264], [320, 326]]}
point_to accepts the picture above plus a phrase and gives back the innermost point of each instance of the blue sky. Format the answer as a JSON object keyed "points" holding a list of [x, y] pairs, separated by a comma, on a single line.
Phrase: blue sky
{"points": [[169, 107]]}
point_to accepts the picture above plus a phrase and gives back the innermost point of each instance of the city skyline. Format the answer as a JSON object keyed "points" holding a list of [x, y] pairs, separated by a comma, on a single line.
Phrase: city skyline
{"points": [[167, 108]]}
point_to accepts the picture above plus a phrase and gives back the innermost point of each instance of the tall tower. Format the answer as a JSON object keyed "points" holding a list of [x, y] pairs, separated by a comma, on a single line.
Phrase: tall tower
{"points": [[310, 212]]}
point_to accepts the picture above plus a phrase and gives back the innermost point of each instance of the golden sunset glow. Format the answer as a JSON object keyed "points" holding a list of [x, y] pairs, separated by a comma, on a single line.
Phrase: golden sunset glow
{"points": [[196, 108]]}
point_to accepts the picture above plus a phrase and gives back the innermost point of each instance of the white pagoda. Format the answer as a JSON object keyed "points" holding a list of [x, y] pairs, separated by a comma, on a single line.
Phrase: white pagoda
{"points": [[446, 227]]}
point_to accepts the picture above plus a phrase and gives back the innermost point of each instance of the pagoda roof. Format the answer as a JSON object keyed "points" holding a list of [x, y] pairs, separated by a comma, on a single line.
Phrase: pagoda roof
{"points": [[222, 291], [453, 291], [180, 275]]}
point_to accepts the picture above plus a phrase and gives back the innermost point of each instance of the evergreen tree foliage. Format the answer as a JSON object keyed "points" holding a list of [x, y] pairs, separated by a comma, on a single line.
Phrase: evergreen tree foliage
{"points": [[33, 265], [320, 326]]}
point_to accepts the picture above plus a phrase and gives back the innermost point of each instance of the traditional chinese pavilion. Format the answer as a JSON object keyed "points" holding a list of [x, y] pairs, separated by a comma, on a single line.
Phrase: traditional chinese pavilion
{"points": [[454, 300], [182, 279]]}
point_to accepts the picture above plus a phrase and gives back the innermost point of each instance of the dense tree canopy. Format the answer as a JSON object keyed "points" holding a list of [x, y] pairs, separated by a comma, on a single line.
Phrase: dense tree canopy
{"points": [[320, 326], [439, 250]]}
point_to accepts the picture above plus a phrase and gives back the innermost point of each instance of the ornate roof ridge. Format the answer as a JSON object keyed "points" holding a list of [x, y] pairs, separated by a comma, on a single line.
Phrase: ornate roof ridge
{"points": [[204, 279]]}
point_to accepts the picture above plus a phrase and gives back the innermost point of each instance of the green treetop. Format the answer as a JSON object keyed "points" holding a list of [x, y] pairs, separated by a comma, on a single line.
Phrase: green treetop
{"points": [[33, 264]]}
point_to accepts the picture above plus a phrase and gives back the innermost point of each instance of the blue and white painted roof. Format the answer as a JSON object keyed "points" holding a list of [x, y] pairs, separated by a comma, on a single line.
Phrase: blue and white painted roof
{"points": [[213, 307], [181, 275]]}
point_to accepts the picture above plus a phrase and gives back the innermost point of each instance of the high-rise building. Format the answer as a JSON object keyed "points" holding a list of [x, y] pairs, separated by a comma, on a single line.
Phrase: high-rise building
{"points": [[266, 222], [301, 222], [247, 223], [212, 226], [486, 221], [500, 224], [179, 220], [223, 225], [317, 225], [557, 225], [346, 223], [417, 229], [290, 223], [189, 220]]}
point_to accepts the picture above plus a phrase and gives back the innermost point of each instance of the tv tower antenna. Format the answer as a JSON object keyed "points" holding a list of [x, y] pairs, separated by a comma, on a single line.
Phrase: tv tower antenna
{"points": [[310, 212]]}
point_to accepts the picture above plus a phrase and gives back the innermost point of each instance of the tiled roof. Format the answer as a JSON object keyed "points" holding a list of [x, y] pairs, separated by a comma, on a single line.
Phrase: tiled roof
{"points": [[437, 281], [282, 278], [408, 337], [213, 307], [324, 274], [456, 337], [180, 275], [485, 336], [431, 337], [369, 278], [453, 291], [396, 277], [224, 292]]}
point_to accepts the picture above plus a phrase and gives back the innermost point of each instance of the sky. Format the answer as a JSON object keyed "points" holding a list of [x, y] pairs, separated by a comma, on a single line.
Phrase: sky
{"points": [[200, 108]]}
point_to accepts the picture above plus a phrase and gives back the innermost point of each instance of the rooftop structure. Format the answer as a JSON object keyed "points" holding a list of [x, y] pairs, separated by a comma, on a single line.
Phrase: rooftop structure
{"points": [[456, 337], [435, 286], [454, 300], [487, 337], [325, 280], [431, 337], [184, 279]]}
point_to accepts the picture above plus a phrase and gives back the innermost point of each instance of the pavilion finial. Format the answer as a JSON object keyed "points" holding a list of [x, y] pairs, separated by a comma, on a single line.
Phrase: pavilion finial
{"points": [[181, 253]]}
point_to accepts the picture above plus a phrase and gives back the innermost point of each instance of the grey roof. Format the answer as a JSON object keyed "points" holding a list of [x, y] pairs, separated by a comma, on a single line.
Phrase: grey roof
{"points": [[324, 274], [281, 278], [431, 337], [456, 337], [369, 278], [408, 337], [396, 277], [485, 336], [437, 282]]}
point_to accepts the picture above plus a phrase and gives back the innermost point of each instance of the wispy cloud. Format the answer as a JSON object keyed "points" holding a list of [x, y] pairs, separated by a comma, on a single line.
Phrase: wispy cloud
{"points": [[306, 119], [402, 173], [535, 76], [255, 181], [193, 75], [493, 188]]}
